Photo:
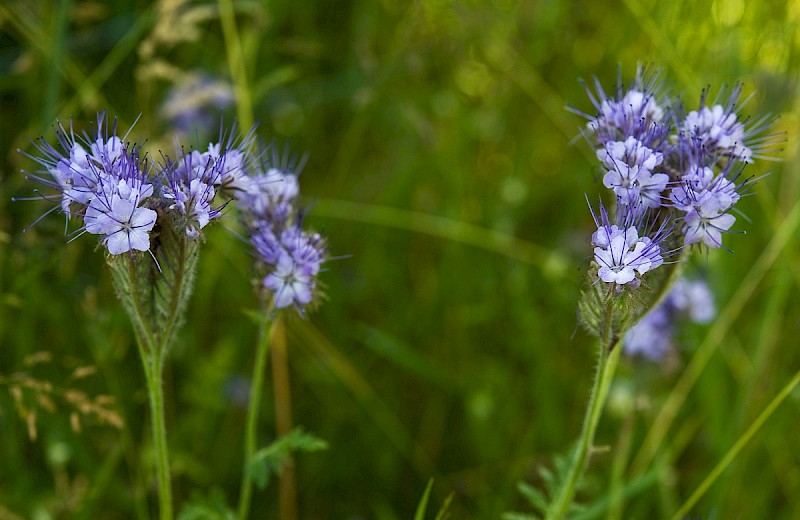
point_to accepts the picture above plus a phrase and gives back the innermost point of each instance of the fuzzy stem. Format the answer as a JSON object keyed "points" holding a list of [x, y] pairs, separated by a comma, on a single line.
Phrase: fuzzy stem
{"points": [[608, 358], [152, 357], [264, 337], [153, 370]]}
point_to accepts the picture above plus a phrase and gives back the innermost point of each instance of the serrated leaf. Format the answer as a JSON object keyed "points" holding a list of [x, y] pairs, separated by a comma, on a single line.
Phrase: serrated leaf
{"points": [[547, 476], [211, 507], [536, 498], [258, 471], [269, 459]]}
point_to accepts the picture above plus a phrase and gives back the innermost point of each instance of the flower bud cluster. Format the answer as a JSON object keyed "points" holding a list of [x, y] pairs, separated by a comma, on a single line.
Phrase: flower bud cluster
{"points": [[108, 184], [291, 256], [675, 176]]}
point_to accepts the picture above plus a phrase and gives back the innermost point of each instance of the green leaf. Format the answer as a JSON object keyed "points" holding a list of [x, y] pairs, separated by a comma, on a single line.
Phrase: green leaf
{"points": [[211, 507], [535, 497], [444, 512], [269, 460], [259, 470], [423, 502]]}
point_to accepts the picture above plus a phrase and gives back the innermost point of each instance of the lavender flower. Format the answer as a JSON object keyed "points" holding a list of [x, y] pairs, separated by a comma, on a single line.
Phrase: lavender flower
{"points": [[620, 253], [291, 257], [125, 226], [633, 111], [706, 223], [718, 133], [686, 182], [231, 160], [632, 152], [189, 190], [104, 181], [693, 298], [74, 171], [651, 337], [291, 281]]}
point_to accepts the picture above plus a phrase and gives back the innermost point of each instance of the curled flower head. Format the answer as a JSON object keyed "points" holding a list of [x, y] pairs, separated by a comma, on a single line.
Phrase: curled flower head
{"points": [[291, 256], [77, 169], [234, 161], [293, 279], [189, 190], [106, 182], [716, 133], [633, 111], [272, 187]]}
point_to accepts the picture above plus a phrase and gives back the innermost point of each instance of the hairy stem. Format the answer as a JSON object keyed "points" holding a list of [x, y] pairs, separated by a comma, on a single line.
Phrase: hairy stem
{"points": [[264, 338], [153, 369], [608, 358]]}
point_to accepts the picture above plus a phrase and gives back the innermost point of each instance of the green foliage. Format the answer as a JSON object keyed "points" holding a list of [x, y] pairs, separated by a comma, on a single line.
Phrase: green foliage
{"points": [[269, 460], [540, 500], [422, 507], [211, 507], [441, 169]]}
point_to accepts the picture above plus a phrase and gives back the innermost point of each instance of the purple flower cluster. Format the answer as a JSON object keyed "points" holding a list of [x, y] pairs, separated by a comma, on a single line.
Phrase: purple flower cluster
{"points": [[652, 336], [108, 184], [668, 171], [292, 257]]}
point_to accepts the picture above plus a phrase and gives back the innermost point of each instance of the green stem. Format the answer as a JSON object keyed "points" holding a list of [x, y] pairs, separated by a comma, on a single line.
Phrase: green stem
{"points": [[264, 336], [144, 338], [237, 67], [175, 300], [608, 359], [152, 356], [153, 370]]}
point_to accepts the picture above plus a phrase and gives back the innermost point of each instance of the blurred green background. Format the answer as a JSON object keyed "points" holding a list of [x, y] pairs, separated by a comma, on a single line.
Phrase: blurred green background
{"points": [[444, 169]]}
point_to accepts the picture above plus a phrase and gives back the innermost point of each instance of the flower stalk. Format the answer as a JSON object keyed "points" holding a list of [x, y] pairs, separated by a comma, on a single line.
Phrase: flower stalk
{"points": [[254, 401], [608, 358], [153, 370]]}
